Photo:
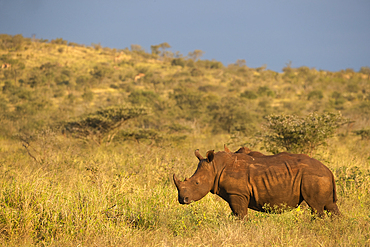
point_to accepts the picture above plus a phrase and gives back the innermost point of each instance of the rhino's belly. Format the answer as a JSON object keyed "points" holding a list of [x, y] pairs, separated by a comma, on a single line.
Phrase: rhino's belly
{"points": [[277, 186], [274, 193]]}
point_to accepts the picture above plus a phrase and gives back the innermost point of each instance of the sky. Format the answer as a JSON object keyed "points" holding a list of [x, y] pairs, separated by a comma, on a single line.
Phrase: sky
{"points": [[323, 34]]}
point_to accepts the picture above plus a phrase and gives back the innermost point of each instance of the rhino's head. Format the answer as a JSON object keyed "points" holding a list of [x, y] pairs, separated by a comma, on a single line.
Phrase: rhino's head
{"points": [[198, 185]]}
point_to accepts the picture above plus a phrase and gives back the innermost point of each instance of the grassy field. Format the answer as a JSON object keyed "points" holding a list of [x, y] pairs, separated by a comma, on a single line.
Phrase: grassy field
{"points": [[58, 190], [123, 195]]}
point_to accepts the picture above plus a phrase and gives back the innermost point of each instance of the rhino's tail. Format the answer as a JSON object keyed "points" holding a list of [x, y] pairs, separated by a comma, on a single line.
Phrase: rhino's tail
{"points": [[335, 198]]}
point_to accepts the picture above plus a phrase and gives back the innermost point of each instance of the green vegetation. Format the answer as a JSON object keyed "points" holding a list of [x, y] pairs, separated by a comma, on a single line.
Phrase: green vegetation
{"points": [[300, 135], [87, 151], [104, 124]]}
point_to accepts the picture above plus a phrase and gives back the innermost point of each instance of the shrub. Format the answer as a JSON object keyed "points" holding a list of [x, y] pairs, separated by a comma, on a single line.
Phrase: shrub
{"points": [[190, 63], [315, 94], [196, 72], [9, 87], [364, 133], [336, 95], [363, 108], [300, 135], [209, 64], [178, 62], [99, 72], [139, 97], [365, 70], [139, 135], [231, 115], [249, 95], [265, 91], [353, 88], [88, 95], [187, 99], [36, 80], [104, 124], [82, 79], [59, 41], [208, 88]]}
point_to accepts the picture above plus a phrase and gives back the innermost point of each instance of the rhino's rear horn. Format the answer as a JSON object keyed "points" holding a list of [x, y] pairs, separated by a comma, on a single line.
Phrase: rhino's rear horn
{"points": [[227, 150], [198, 155]]}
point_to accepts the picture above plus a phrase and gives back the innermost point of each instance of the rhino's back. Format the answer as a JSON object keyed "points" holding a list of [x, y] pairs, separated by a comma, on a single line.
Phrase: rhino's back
{"points": [[270, 180]]}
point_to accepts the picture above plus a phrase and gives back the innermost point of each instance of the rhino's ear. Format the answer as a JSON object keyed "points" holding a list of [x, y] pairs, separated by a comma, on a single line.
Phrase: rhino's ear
{"points": [[210, 155], [198, 155], [227, 149]]}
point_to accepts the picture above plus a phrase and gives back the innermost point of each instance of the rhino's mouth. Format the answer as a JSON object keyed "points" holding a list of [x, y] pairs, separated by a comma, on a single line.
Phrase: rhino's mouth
{"points": [[184, 200]]}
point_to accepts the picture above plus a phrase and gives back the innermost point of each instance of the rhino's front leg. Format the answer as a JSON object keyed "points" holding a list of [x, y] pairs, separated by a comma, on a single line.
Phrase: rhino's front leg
{"points": [[239, 205]]}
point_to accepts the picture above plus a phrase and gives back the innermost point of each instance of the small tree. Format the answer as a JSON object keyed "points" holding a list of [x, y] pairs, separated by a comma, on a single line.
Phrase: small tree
{"points": [[59, 41], [240, 63], [137, 48], [103, 125], [99, 72], [196, 54], [164, 46], [365, 70], [178, 62], [300, 135], [230, 114], [155, 49], [364, 133]]}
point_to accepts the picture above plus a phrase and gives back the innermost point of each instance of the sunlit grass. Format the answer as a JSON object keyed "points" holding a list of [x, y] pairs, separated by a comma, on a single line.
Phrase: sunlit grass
{"points": [[61, 192], [123, 195]]}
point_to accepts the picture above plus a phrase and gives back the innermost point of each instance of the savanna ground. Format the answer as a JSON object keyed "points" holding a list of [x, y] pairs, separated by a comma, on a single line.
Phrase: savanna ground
{"points": [[123, 195], [116, 189]]}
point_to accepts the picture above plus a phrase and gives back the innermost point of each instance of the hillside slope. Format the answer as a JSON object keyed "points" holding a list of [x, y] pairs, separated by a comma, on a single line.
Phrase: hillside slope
{"points": [[46, 83]]}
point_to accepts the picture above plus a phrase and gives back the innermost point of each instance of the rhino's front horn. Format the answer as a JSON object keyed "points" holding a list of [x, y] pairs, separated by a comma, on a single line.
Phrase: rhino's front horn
{"points": [[177, 182]]}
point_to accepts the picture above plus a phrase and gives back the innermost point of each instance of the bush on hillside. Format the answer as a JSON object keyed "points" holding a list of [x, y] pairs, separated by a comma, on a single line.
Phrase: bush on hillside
{"points": [[315, 94], [140, 97], [249, 94], [178, 62], [100, 72], [209, 64], [196, 72], [265, 91], [364, 133], [300, 135], [230, 115], [102, 125]]}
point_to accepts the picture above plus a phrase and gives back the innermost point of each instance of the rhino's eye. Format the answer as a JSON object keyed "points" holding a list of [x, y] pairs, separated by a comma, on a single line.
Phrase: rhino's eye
{"points": [[196, 182]]}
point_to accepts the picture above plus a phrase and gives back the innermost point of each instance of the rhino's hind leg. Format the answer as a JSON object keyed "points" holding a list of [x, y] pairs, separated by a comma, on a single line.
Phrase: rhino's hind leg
{"points": [[332, 209], [317, 208], [318, 193], [239, 205]]}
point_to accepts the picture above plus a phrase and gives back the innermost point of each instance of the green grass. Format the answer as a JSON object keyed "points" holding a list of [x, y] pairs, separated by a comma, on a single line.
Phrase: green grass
{"points": [[123, 195]]}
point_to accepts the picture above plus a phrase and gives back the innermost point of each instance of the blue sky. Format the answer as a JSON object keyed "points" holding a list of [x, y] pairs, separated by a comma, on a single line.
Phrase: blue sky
{"points": [[328, 34]]}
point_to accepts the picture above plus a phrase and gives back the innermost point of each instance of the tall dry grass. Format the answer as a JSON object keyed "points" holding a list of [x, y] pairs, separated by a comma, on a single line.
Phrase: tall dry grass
{"points": [[71, 194]]}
